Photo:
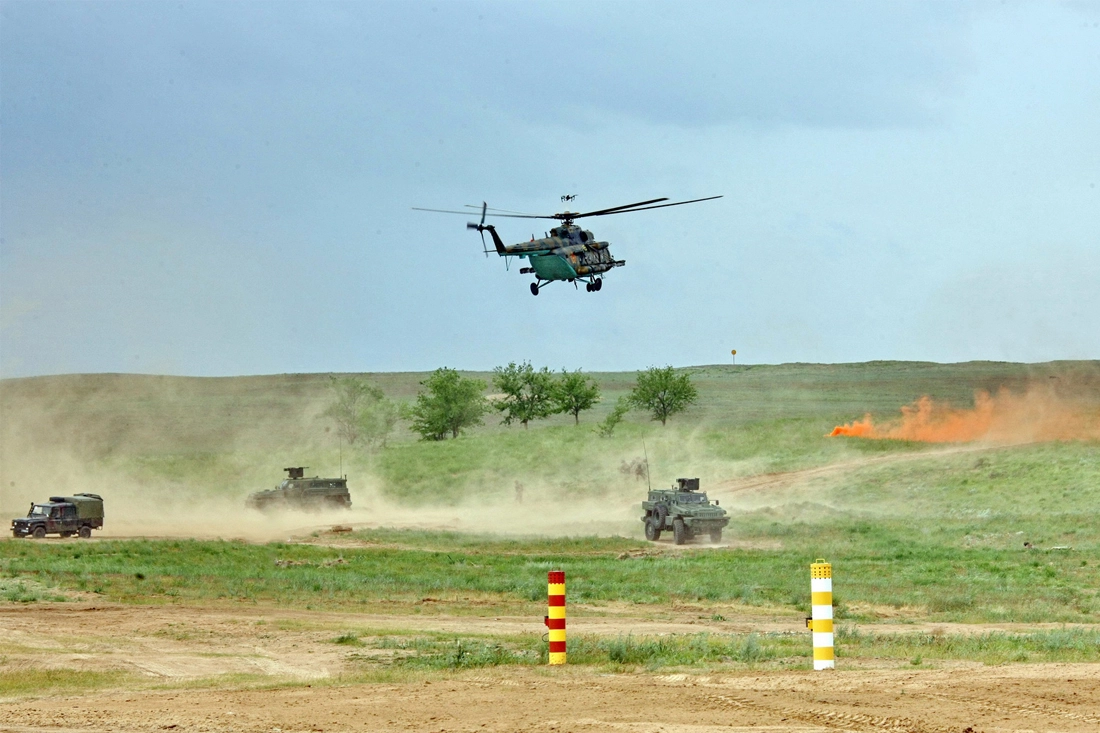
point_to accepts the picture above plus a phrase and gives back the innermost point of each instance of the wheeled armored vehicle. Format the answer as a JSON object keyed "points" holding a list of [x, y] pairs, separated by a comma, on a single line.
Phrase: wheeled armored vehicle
{"points": [[62, 515], [685, 510], [300, 492]]}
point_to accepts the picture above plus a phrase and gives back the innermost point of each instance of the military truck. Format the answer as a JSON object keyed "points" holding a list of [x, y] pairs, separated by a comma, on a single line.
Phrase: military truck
{"points": [[297, 491], [64, 515], [685, 510]]}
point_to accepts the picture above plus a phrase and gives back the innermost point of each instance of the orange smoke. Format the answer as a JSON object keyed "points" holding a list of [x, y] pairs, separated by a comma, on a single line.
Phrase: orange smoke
{"points": [[1036, 415]]}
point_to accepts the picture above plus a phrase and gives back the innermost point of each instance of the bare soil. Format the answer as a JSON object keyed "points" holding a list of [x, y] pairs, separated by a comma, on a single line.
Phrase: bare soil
{"points": [[785, 479], [296, 679]]}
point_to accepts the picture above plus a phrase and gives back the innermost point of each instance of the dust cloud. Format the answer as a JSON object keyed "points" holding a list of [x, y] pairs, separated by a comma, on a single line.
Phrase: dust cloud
{"points": [[169, 463], [137, 509], [1038, 414]]}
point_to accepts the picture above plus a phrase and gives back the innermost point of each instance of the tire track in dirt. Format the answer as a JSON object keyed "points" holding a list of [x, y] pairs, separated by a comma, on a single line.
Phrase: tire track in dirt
{"points": [[1033, 710], [836, 719], [788, 478], [504, 700]]}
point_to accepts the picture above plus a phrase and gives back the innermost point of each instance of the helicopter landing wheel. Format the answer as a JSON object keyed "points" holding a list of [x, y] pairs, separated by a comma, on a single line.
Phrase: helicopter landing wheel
{"points": [[588, 287], [534, 288], [598, 285]]}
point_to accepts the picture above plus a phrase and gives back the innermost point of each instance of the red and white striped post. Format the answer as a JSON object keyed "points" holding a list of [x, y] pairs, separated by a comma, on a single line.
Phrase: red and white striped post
{"points": [[555, 619]]}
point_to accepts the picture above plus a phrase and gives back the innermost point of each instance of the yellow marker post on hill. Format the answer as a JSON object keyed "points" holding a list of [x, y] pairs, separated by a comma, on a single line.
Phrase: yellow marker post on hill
{"points": [[821, 612]]}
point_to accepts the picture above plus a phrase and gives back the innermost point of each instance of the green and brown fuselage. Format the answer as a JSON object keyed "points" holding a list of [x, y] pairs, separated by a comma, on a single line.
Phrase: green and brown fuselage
{"points": [[569, 253]]}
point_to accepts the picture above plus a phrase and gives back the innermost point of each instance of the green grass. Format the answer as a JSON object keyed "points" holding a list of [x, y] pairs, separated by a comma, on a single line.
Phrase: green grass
{"points": [[348, 639], [166, 437], [994, 647], [954, 570], [20, 590], [19, 680], [715, 651], [915, 532]]}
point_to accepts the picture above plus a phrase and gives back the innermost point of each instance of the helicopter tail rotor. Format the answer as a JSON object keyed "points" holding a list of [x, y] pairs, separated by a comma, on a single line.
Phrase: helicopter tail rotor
{"points": [[480, 227]]}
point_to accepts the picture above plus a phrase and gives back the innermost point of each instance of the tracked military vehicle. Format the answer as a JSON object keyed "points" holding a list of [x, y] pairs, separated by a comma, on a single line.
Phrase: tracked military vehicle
{"points": [[300, 492], [64, 515], [685, 510]]}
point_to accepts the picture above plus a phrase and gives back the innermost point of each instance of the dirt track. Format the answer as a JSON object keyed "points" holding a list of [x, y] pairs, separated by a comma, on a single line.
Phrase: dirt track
{"points": [[970, 698], [790, 478], [167, 649]]}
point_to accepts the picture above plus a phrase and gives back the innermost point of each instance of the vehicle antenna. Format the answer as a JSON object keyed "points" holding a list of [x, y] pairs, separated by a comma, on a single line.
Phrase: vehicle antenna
{"points": [[646, 454]]}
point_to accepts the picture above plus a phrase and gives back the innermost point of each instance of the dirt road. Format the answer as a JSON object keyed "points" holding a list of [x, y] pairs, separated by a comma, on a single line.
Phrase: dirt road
{"points": [[185, 668], [784, 479], [1063, 698]]}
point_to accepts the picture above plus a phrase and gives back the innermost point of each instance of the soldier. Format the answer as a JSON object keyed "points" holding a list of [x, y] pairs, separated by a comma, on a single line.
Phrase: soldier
{"points": [[519, 493]]}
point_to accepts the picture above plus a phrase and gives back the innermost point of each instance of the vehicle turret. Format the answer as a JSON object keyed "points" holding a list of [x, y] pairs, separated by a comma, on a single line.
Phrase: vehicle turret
{"points": [[297, 491]]}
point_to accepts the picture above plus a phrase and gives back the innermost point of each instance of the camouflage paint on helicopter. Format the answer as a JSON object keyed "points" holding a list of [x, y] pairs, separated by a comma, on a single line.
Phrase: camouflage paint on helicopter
{"points": [[568, 253]]}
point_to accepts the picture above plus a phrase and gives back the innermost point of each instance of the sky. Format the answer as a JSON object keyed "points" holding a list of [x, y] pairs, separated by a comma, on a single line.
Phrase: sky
{"points": [[221, 188]]}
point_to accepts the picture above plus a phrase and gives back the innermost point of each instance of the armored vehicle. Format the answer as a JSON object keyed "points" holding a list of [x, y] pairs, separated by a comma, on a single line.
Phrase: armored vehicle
{"points": [[299, 492], [685, 510], [63, 515]]}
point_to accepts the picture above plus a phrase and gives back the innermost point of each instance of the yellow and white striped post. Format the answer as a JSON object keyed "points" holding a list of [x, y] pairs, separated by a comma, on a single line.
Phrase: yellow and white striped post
{"points": [[555, 619], [821, 611]]}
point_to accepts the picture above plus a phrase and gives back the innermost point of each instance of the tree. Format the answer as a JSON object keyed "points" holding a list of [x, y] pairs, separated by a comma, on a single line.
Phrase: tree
{"points": [[377, 419], [663, 392], [450, 404], [361, 411], [528, 393], [575, 393], [607, 426]]}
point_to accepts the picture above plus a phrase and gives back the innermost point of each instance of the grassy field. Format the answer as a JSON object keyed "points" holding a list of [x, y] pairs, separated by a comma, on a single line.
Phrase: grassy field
{"points": [[226, 437], [731, 651], [917, 533], [953, 572]]}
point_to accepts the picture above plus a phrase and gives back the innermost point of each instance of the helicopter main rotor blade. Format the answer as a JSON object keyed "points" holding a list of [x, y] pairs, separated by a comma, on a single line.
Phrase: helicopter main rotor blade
{"points": [[501, 211], [441, 211], [616, 209], [644, 208], [568, 216], [467, 213]]}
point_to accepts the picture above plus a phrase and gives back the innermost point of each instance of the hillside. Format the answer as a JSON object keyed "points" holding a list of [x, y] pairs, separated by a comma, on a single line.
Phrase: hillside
{"points": [[182, 440]]}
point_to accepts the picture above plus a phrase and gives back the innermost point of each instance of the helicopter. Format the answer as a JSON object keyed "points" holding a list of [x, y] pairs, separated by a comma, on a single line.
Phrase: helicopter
{"points": [[567, 252]]}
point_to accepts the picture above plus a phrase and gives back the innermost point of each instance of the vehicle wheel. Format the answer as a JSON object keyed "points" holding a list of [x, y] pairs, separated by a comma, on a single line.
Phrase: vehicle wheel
{"points": [[85, 532], [659, 516], [651, 532], [39, 533], [598, 284], [679, 531], [534, 288], [716, 536], [588, 287]]}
